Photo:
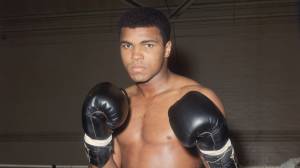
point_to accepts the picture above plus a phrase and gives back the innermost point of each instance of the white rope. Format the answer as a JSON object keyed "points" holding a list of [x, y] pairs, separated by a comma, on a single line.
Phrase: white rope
{"points": [[41, 166], [22, 165]]}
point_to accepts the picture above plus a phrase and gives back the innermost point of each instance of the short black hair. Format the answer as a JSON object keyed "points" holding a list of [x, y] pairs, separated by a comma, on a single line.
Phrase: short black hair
{"points": [[146, 17]]}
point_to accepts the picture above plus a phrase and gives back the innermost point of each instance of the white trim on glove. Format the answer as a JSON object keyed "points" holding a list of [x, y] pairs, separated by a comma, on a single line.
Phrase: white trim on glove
{"points": [[217, 152], [99, 143]]}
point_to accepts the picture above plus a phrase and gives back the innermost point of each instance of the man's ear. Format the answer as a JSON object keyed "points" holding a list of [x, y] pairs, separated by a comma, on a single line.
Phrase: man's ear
{"points": [[168, 48]]}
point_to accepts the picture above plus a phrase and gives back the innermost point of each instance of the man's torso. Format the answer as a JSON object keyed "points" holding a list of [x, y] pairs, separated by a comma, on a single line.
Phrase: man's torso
{"points": [[148, 140]]}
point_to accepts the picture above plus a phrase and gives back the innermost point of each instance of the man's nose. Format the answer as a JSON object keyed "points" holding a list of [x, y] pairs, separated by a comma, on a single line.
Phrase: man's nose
{"points": [[137, 53]]}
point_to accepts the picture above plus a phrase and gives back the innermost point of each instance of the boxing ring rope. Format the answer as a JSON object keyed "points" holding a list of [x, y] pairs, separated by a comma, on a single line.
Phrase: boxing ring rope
{"points": [[41, 166], [291, 163], [82, 166]]}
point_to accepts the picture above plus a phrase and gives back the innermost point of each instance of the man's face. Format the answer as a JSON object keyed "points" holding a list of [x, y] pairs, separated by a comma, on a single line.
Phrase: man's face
{"points": [[143, 52]]}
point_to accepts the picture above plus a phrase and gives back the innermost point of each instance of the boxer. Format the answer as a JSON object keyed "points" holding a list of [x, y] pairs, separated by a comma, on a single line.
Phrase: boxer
{"points": [[169, 113]]}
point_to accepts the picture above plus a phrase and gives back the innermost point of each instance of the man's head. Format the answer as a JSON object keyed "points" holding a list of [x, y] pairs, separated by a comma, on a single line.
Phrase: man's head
{"points": [[146, 17], [145, 44]]}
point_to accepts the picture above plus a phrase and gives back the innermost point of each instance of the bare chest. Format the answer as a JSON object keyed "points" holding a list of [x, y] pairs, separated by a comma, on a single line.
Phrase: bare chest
{"points": [[149, 122]]}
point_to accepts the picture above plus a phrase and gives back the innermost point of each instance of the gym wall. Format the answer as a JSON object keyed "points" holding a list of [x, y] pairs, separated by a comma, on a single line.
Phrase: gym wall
{"points": [[53, 52]]}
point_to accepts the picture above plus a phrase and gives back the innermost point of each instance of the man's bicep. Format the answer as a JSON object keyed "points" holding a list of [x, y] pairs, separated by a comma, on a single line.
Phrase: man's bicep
{"points": [[115, 158], [116, 153]]}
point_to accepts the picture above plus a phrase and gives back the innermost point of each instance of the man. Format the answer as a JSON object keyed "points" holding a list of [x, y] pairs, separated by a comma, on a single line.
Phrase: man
{"points": [[168, 113]]}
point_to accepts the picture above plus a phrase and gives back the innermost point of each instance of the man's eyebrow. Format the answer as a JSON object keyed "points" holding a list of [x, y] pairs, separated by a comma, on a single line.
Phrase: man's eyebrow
{"points": [[149, 41], [124, 41]]}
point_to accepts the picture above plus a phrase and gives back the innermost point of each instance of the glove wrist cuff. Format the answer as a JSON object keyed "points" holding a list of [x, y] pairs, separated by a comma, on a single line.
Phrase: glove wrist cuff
{"points": [[217, 152], [99, 143]]}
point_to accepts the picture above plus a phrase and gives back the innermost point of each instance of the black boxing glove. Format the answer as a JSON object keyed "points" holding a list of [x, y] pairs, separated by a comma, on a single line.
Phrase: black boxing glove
{"points": [[105, 108], [196, 121]]}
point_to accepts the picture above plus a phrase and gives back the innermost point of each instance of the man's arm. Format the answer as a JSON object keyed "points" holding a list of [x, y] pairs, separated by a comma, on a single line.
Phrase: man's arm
{"points": [[197, 120], [216, 100], [116, 156], [115, 159], [105, 108], [110, 164]]}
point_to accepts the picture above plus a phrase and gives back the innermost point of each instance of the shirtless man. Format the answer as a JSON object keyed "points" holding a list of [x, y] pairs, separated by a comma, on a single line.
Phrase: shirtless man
{"points": [[168, 112]]}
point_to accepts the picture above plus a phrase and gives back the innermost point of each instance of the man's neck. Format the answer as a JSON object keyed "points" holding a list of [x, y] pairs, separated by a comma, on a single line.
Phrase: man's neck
{"points": [[156, 85]]}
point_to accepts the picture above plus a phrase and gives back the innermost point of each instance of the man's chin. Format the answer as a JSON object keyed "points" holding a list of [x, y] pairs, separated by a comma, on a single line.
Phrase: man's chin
{"points": [[139, 79]]}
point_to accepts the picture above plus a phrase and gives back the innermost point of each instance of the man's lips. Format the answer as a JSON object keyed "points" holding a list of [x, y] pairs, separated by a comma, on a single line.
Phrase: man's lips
{"points": [[137, 68]]}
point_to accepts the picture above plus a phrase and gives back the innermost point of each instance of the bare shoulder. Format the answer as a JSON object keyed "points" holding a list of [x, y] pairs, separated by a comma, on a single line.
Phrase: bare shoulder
{"points": [[192, 85]]}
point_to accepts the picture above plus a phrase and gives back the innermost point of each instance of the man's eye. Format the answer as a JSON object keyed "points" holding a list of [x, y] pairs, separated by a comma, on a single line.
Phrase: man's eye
{"points": [[149, 45], [126, 46]]}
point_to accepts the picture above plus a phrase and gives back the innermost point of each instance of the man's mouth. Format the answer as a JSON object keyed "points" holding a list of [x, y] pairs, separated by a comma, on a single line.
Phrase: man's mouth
{"points": [[137, 68]]}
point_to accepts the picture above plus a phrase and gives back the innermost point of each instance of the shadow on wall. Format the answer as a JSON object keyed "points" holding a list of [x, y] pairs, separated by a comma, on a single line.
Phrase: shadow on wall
{"points": [[179, 64], [238, 147], [298, 8]]}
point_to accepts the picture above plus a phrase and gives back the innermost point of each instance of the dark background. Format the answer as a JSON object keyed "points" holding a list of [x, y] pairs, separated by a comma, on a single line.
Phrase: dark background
{"points": [[53, 51]]}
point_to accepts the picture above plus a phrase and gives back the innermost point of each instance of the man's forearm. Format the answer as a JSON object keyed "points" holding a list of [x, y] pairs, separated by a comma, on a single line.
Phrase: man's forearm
{"points": [[110, 164]]}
